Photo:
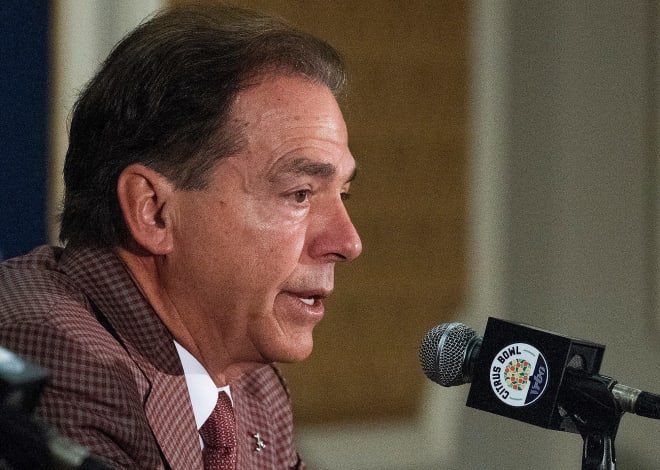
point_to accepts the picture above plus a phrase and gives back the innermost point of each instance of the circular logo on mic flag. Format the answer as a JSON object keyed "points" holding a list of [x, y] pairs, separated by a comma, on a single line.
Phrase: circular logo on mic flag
{"points": [[519, 374]]}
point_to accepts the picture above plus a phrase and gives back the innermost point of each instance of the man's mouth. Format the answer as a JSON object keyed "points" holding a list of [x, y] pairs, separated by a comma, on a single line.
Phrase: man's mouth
{"points": [[312, 298]]}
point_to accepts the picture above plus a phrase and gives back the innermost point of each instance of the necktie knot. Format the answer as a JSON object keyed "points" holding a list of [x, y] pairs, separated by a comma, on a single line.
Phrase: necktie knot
{"points": [[219, 436]]}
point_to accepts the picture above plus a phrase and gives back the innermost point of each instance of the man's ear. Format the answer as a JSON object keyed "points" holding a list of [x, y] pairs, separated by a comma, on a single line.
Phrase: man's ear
{"points": [[145, 197]]}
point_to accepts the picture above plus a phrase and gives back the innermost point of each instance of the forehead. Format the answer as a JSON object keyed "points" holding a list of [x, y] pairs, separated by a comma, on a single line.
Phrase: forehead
{"points": [[286, 120], [276, 99]]}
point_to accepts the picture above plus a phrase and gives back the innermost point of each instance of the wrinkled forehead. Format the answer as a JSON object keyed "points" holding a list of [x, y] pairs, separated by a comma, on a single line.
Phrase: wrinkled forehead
{"points": [[288, 101]]}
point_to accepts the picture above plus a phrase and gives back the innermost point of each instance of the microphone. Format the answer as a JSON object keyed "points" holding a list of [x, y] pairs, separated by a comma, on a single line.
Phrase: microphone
{"points": [[529, 374], [25, 442]]}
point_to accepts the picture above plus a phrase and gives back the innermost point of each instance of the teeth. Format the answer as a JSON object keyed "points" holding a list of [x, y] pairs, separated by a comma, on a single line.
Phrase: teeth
{"points": [[307, 301]]}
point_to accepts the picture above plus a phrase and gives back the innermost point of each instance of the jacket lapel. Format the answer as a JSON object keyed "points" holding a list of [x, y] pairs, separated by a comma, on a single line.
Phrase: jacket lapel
{"points": [[264, 420], [106, 282]]}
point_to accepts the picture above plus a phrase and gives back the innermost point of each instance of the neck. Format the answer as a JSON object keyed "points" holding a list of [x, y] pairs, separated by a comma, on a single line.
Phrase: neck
{"points": [[145, 271]]}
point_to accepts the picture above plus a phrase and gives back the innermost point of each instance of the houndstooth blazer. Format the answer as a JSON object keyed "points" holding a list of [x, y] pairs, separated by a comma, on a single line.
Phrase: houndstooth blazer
{"points": [[116, 382]]}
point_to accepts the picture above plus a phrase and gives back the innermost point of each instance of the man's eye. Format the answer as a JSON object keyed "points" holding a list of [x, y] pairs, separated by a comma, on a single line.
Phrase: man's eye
{"points": [[345, 196], [301, 196]]}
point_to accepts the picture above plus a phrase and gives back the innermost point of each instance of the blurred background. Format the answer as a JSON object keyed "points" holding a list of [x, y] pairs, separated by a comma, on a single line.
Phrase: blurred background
{"points": [[509, 166]]}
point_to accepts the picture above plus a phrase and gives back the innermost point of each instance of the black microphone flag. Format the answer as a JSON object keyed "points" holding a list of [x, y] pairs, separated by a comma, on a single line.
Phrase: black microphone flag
{"points": [[520, 371]]}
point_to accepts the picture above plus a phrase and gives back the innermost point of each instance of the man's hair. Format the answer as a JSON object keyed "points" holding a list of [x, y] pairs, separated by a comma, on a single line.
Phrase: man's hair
{"points": [[163, 98]]}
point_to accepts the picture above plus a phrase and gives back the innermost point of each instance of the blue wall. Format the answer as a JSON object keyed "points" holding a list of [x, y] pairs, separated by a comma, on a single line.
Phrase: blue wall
{"points": [[23, 124]]}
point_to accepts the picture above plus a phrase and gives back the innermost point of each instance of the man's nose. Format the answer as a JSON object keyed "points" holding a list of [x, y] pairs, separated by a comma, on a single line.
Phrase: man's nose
{"points": [[337, 238]]}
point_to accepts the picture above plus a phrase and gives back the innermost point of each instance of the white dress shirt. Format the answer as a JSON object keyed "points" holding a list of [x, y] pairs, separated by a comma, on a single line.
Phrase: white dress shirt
{"points": [[203, 392]]}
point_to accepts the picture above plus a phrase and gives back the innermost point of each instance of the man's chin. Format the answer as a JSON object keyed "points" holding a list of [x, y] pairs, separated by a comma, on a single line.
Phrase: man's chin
{"points": [[288, 354]]}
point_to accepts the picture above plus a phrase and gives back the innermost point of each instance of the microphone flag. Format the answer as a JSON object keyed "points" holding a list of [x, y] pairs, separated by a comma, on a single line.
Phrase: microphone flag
{"points": [[520, 370]]}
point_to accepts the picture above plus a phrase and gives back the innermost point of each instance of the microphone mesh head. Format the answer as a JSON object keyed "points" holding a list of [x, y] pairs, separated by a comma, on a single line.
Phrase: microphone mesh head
{"points": [[442, 353]]}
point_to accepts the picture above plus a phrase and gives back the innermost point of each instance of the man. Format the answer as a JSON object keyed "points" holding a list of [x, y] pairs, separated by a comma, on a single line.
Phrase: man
{"points": [[206, 175]]}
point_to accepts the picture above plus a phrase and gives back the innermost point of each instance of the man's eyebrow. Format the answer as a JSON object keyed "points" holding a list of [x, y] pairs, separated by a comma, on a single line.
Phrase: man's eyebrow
{"points": [[304, 166]]}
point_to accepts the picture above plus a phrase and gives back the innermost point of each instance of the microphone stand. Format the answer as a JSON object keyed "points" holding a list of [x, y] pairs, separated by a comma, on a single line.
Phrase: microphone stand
{"points": [[587, 400]]}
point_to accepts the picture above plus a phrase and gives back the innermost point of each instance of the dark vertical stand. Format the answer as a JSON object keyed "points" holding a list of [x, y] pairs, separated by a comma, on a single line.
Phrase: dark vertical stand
{"points": [[588, 401], [598, 452]]}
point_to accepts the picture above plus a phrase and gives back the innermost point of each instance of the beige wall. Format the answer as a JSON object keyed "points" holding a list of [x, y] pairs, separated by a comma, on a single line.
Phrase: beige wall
{"points": [[564, 205]]}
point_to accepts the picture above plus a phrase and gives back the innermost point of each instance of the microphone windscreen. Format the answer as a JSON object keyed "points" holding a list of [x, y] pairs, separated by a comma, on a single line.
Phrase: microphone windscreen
{"points": [[442, 353]]}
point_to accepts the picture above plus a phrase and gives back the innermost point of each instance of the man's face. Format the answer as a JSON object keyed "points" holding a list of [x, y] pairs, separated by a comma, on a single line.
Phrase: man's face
{"points": [[254, 253]]}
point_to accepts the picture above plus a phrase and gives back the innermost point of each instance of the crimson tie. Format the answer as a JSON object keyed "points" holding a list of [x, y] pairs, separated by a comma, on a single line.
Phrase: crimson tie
{"points": [[219, 436]]}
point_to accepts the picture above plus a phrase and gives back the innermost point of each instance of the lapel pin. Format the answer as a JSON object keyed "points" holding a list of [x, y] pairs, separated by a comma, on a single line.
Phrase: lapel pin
{"points": [[259, 443]]}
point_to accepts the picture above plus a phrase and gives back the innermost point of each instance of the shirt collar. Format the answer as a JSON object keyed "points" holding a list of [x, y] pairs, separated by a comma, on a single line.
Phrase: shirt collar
{"points": [[203, 392]]}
